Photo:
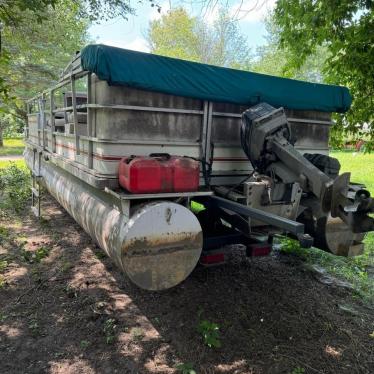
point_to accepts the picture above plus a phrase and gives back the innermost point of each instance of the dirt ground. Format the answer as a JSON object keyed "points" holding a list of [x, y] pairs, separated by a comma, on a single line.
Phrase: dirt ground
{"points": [[74, 312]]}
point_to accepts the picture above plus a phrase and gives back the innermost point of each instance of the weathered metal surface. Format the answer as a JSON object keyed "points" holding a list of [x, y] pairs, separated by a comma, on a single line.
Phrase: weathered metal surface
{"points": [[142, 122], [157, 245], [149, 125], [255, 191], [162, 246]]}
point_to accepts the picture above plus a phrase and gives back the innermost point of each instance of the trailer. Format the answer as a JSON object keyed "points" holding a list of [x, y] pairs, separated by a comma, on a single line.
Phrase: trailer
{"points": [[164, 161]]}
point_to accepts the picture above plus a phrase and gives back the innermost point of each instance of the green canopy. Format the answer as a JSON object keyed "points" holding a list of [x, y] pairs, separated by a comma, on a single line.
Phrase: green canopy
{"points": [[184, 78]]}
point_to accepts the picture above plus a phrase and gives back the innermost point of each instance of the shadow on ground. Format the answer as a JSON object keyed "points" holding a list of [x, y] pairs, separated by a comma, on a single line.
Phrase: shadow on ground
{"points": [[74, 312]]}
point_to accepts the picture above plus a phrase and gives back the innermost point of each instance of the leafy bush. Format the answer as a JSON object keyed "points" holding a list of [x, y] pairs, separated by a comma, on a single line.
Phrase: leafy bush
{"points": [[13, 127], [15, 188]]}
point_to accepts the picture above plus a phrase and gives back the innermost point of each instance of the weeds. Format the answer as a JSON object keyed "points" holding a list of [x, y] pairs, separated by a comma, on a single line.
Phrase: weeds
{"points": [[352, 269], [84, 344], [35, 256], [3, 265], [100, 255], [298, 370], [4, 233], [15, 188], [109, 330], [3, 317], [210, 333], [34, 326]]}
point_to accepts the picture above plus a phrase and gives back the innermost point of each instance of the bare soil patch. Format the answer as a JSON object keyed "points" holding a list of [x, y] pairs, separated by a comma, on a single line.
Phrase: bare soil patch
{"points": [[72, 311]]}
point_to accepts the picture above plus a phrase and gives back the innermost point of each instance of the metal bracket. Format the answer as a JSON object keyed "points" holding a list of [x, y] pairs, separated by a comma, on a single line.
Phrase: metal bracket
{"points": [[288, 225]]}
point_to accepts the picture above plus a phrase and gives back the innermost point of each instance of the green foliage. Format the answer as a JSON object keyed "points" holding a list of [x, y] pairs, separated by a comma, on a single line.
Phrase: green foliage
{"points": [[84, 344], [11, 10], [14, 188], [4, 234], [13, 126], [3, 317], [35, 256], [210, 333], [186, 368], [298, 370], [178, 34], [35, 49], [352, 269], [274, 60], [3, 265], [110, 330], [34, 326], [100, 255], [38, 40], [345, 29]]}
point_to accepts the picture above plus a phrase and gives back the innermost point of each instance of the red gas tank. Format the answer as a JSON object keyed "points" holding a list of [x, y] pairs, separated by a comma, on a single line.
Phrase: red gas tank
{"points": [[158, 173], [186, 173]]}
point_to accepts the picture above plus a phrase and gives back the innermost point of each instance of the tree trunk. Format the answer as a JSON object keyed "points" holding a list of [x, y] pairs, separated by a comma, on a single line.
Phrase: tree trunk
{"points": [[1, 136]]}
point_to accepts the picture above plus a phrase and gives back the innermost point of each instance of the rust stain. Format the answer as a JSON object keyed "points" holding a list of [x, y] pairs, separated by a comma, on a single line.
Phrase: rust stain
{"points": [[145, 246]]}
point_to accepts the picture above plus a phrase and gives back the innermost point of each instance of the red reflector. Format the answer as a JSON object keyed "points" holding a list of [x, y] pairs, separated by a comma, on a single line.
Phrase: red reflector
{"points": [[259, 249], [215, 258]]}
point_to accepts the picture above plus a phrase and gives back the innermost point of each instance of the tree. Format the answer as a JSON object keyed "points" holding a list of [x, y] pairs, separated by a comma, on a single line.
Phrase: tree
{"points": [[37, 37], [35, 53], [11, 11], [274, 59], [345, 29], [14, 13], [177, 34]]}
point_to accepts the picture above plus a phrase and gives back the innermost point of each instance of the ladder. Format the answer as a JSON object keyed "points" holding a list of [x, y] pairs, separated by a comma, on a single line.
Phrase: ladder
{"points": [[35, 184]]}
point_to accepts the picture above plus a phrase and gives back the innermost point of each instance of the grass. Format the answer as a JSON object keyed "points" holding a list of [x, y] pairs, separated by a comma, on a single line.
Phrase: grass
{"points": [[19, 163], [12, 147], [361, 166], [351, 269]]}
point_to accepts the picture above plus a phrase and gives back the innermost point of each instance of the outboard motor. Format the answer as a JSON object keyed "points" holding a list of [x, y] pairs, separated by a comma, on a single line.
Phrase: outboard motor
{"points": [[334, 211]]}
